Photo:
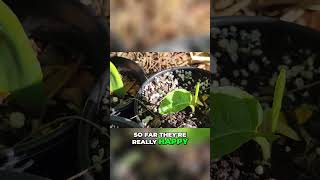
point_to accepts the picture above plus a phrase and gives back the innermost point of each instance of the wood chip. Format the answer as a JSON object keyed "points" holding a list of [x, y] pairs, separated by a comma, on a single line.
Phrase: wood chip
{"points": [[222, 4], [248, 12], [314, 7], [292, 15], [196, 58], [234, 8]]}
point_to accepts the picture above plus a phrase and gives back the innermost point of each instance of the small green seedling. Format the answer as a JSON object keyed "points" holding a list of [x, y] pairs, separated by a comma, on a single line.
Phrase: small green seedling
{"points": [[274, 120], [237, 117], [179, 99], [20, 71], [116, 83]]}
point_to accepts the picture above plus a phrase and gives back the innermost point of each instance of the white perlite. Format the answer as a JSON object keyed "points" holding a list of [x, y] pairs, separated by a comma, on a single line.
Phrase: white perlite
{"points": [[224, 81], [244, 73], [318, 150], [265, 61], [259, 170], [286, 60], [17, 120], [254, 67], [236, 73], [257, 52], [215, 83], [244, 82], [231, 46], [115, 99], [287, 148], [299, 82]]}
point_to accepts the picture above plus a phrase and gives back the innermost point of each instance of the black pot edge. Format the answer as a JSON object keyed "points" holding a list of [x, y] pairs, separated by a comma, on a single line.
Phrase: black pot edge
{"points": [[142, 78], [162, 72], [90, 111], [251, 20]]}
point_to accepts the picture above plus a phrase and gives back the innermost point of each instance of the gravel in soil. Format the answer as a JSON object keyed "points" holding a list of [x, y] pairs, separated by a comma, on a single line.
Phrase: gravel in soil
{"points": [[241, 61], [155, 91], [240, 165], [98, 142]]}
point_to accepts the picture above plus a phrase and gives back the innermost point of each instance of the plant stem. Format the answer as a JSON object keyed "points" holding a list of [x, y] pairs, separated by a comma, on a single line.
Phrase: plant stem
{"points": [[143, 105], [307, 86]]}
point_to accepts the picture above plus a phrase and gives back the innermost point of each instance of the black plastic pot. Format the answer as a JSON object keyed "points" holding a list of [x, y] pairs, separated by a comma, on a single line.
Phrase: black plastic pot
{"points": [[133, 70], [277, 37], [91, 112], [275, 32], [53, 154], [196, 72], [19, 176]]}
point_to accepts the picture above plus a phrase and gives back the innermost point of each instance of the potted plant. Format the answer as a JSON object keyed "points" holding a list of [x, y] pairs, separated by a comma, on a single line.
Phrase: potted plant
{"points": [[176, 85], [41, 99], [267, 88]]}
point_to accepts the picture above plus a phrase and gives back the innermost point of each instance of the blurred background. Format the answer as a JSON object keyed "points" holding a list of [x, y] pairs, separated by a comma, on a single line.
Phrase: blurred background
{"points": [[303, 12], [145, 162], [157, 24]]}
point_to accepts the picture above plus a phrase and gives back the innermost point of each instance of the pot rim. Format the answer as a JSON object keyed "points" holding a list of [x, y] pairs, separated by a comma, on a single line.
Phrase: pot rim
{"points": [[262, 20]]}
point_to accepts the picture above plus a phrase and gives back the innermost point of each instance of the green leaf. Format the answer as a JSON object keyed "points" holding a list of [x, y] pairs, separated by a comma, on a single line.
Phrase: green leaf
{"points": [[19, 67], [175, 101], [116, 84], [196, 94], [235, 116], [232, 91], [277, 98], [282, 127], [195, 98], [266, 124]]}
